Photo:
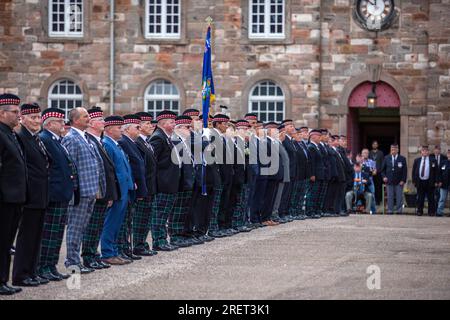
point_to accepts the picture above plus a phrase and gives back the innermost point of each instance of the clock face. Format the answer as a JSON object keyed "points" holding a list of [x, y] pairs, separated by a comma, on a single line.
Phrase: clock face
{"points": [[375, 14]]}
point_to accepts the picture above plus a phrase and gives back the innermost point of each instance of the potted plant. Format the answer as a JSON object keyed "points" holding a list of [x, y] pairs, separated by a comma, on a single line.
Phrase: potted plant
{"points": [[410, 195]]}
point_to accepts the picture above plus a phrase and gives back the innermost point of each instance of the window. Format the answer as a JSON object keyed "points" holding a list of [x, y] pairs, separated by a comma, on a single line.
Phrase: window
{"points": [[65, 18], [267, 100], [66, 95], [266, 19], [162, 19], [162, 95]]}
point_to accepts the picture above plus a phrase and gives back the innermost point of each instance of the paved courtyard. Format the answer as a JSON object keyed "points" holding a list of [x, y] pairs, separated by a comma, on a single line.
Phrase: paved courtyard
{"points": [[313, 259]]}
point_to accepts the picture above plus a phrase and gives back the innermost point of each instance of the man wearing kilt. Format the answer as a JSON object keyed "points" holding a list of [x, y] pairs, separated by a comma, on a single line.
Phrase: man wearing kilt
{"points": [[177, 218], [240, 207], [91, 237], [304, 164], [130, 133], [290, 188], [317, 176], [142, 215], [62, 185], [284, 158], [167, 179]]}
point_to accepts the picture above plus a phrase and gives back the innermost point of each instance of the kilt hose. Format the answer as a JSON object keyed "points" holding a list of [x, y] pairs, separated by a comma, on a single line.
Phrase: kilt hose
{"points": [[177, 217], [52, 235], [239, 212], [213, 222], [123, 242], [91, 237], [142, 223], [312, 198], [78, 219], [323, 195], [303, 189], [161, 209], [293, 203]]}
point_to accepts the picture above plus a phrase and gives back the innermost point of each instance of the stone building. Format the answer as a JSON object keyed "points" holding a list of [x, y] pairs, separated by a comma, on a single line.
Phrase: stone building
{"points": [[310, 60]]}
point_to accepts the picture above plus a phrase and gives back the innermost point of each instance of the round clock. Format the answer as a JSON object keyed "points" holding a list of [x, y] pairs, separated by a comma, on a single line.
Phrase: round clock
{"points": [[375, 15]]}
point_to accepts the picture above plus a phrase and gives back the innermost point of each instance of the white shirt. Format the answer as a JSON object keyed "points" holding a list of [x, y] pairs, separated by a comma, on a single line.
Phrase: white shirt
{"points": [[82, 134], [424, 162]]}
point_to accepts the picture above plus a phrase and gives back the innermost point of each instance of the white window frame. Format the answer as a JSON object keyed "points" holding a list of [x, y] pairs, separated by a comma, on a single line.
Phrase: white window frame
{"points": [[161, 97], [252, 98], [266, 34], [66, 33], [163, 34], [58, 96]]}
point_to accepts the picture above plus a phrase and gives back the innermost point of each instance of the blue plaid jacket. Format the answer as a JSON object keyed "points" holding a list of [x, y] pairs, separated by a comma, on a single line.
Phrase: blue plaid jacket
{"points": [[91, 172]]}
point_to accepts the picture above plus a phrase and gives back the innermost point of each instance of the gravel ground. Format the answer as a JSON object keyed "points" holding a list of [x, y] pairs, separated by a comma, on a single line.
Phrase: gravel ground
{"points": [[312, 259]]}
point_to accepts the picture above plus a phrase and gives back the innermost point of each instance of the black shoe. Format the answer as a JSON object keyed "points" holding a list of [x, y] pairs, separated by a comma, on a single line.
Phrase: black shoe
{"points": [[180, 243], [92, 265], [132, 256], [63, 276], [244, 229], [29, 282], [80, 269], [104, 265], [125, 258], [164, 247], [207, 238], [317, 216], [50, 276], [196, 241], [14, 289], [143, 252], [216, 234], [6, 291], [41, 280]]}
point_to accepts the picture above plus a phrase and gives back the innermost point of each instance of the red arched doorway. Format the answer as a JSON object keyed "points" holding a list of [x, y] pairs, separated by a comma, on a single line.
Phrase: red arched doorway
{"points": [[382, 123]]}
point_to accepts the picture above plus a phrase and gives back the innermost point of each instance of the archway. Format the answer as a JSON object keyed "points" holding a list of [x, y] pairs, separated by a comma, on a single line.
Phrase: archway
{"points": [[382, 123]]}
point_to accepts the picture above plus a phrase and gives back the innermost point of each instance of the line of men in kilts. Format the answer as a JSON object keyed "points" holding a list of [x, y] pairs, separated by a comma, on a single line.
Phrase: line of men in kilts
{"points": [[261, 174]]}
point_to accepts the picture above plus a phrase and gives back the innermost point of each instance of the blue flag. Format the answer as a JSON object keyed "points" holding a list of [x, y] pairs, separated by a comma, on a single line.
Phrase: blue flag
{"points": [[208, 95]]}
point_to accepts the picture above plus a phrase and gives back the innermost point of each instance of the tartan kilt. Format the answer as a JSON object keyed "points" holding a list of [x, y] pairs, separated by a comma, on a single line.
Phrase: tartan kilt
{"points": [[178, 215], [141, 222], [123, 243], [312, 198], [162, 206], [293, 204], [52, 235], [91, 236], [214, 223], [303, 188], [323, 194], [239, 211]]}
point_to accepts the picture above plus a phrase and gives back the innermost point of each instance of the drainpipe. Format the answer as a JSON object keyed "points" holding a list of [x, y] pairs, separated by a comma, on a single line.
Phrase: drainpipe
{"points": [[320, 63], [111, 57]]}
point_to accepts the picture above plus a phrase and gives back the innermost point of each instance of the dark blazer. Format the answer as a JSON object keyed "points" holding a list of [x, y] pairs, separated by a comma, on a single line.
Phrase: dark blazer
{"points": [[397, 173], [112, 192], [226, 167], [378, 157], [444, 174], [433, 172], [13, 169], [150, 164], [276, 170], [326, 161], [187, 169], [334, 174], [167, 173], [442, 159], [340, 165], [317, 162], [38, 167], [239, 162], [212, 172], [62, 178], [303, 161], [288, 145], [137, 164]]}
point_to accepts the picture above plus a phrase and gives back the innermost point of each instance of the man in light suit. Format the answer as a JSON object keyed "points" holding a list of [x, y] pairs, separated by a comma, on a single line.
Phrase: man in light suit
{"points": [[92, 183], [115, 215]]}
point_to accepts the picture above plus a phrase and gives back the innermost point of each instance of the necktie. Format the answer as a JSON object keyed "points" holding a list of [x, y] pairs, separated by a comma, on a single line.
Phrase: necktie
{"points": [[16, 142], [422, 172]]}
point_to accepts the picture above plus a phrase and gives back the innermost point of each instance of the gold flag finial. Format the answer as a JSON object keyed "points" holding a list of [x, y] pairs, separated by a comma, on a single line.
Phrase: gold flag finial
{"points": [[209, 20]]}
